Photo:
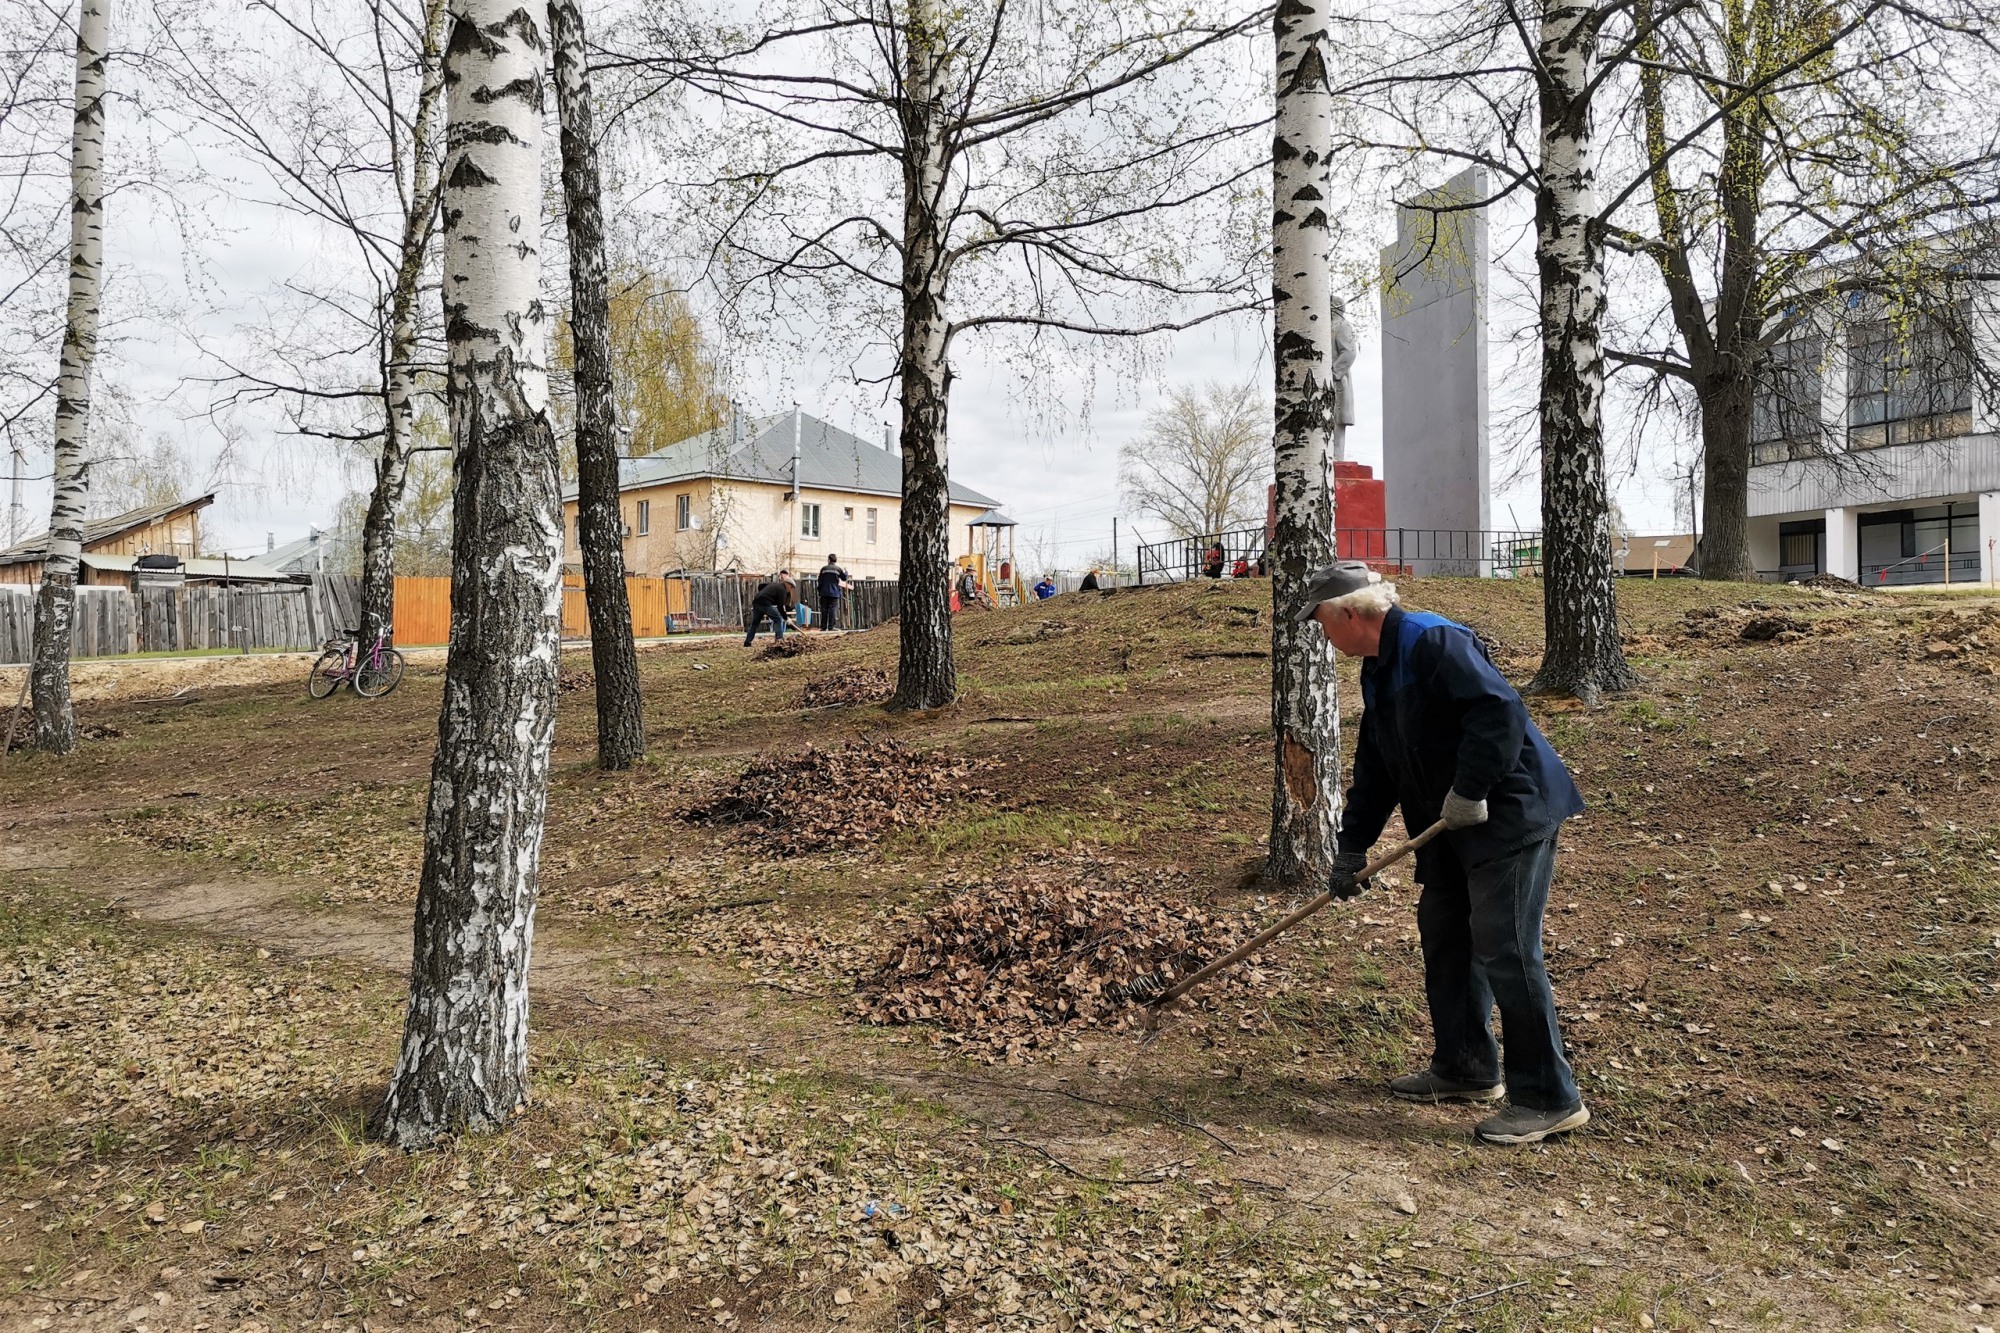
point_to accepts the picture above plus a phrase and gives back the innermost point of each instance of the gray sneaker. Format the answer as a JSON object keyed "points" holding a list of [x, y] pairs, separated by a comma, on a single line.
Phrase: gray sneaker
{"points": [[1521, 1124], [1430, 1086]]}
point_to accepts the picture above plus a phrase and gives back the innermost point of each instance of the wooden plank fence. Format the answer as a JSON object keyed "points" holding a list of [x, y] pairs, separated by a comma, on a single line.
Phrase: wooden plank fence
{"points": [[111, 622], [168, 619]]}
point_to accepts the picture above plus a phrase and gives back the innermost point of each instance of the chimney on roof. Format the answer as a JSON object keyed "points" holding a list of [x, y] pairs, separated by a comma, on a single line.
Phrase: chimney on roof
{"points": [[888, 439], [795, 451], [270, 542]]}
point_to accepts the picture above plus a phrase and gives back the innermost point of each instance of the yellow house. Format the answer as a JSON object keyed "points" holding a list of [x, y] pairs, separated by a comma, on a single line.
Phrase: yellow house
{"points": [[764, 494]]}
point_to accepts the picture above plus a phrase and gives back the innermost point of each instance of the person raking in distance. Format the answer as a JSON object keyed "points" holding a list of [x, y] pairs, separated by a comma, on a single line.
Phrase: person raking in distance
{"points": [[1445, 736]]}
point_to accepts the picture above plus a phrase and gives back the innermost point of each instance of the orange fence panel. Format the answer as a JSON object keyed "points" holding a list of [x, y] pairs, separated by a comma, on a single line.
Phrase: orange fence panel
{"points": [[575, 612], [423, 612], [649, 607], [423, 608]]}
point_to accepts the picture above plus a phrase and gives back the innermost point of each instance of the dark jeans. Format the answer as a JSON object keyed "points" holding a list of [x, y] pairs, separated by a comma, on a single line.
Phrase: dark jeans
{"points": [[829, 612], [1481, 928], [758, 615]]}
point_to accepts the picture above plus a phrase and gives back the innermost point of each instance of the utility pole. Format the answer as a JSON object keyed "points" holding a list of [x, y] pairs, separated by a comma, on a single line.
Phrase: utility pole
{"points": [[1114, 550], [14, 511]]}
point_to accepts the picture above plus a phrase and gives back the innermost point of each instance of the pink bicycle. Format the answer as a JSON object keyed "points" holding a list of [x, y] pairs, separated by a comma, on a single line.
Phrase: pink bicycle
{"points": [[371, 675]]}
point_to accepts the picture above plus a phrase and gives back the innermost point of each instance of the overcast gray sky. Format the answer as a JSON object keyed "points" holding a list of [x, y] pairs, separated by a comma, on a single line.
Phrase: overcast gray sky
{"points": [[1059, 481]]}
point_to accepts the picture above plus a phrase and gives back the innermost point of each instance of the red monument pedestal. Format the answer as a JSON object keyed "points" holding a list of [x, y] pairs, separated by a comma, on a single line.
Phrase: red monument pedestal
{"points": [[1360, 516]]}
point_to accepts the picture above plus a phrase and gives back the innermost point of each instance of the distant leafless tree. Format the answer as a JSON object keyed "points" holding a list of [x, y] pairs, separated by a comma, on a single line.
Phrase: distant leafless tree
{"points": [[1203, 461], [340, 108], [919, 172]]}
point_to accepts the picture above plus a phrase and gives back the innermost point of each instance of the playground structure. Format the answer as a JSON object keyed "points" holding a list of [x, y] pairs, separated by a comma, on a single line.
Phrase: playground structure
{"points": [[995, 570]]}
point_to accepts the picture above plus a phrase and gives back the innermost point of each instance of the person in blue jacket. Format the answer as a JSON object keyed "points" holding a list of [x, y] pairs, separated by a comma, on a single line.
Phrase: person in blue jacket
{"points": [[1445, 736], [1045, 589]]}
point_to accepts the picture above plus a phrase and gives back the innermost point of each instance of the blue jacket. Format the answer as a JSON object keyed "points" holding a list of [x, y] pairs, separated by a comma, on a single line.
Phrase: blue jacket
{"points": [[1437, 714]]}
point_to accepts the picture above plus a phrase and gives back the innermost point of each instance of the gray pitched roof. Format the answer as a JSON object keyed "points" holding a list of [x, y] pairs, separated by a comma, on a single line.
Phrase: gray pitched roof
{"points": [[98, 529], [829, 459]]}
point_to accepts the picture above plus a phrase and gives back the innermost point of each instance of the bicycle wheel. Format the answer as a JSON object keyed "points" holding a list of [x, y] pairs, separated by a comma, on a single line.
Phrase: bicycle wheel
{"points": [[372, 681], [327, 673]]}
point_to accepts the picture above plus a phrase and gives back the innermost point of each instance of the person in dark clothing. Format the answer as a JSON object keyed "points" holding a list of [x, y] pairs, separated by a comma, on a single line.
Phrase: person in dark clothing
{"points": [[773, 600], [1445, 736], [833, 582], [1089, 583], [1211, 561]]}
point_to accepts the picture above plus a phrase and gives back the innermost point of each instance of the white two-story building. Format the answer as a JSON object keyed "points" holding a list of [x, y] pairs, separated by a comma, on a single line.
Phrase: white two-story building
{"points": [[1875, 456]]}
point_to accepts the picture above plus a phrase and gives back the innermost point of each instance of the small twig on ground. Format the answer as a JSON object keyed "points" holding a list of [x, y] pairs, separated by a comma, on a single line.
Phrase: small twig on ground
{"points": [[1157, 1178], [1474, 1299]]}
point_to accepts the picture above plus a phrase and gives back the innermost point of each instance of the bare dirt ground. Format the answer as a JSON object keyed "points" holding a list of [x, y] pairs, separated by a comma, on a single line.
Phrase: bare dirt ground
{"points": [[1773, 936]]}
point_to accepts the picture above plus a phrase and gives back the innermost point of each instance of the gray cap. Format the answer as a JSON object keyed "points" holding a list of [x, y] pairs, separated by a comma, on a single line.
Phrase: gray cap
{"points": [[1335, 580]]}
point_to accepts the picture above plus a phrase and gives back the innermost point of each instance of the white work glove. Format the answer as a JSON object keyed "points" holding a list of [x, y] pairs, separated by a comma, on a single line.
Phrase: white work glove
{"points": [[1460, 813]]}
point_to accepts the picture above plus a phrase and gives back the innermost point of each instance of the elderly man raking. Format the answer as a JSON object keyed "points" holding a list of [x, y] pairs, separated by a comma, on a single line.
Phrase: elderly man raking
{"points": [[1445, 736]]}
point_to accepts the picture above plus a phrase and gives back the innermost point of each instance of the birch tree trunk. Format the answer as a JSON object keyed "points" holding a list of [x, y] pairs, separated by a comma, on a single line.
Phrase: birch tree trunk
{"points": [[1305, 717], [621, 730], [55, 605], [464, 1059], [392, 467], [1582, 655], [925, 674]]}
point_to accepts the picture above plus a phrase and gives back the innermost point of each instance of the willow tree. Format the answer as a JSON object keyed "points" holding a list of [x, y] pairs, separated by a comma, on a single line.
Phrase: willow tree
{"points": [[621, 727], [922, 172], [55, 604], [1305, 712], [464, 1060]]}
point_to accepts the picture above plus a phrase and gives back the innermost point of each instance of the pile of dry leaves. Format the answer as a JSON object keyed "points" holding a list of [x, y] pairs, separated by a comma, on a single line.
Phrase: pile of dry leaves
{"points": [[1009, 965], [847, 688], [792, 645], [845, 796], [571, 679]]}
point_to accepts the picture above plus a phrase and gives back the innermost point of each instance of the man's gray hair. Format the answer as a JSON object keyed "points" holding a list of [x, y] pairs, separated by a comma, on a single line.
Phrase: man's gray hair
{"points": [[1373, 600]]}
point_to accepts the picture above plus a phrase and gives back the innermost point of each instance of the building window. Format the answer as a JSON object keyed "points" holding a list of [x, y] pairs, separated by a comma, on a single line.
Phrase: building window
{"points": [[1907, 381], [1784, 414], [1802, 548], [871, 525], [683, 512], [645, 517], [808, 520]]}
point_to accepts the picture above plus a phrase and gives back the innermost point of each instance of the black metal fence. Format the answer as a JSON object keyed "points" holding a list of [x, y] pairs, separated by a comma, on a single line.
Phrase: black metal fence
{"points": [[1477, 553], [722, 602]]}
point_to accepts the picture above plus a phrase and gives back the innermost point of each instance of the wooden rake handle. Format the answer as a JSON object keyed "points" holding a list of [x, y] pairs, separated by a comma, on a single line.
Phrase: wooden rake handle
{"points": [[1237, 955]]}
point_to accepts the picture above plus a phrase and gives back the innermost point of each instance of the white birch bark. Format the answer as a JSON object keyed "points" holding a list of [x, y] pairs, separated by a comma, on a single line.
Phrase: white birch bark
{"points": [[1582, 655], [464, 1059], [55, 605], [926, 676], [1305, 717], [399, 371]]}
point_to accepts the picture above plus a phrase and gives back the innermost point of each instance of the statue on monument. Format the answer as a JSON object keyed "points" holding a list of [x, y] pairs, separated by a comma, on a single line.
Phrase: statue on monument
{"points": [[1344, 351]]}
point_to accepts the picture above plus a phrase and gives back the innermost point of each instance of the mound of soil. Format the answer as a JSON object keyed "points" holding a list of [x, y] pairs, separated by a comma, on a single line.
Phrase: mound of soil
{"points": [[847, 688], [1830, 582], [792, 645], [1015, 966], [847, 796], [1761, 629]]}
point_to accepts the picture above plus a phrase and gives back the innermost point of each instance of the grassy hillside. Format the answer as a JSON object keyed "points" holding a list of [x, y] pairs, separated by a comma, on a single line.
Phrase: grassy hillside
{"points": [[1773, 938]]}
